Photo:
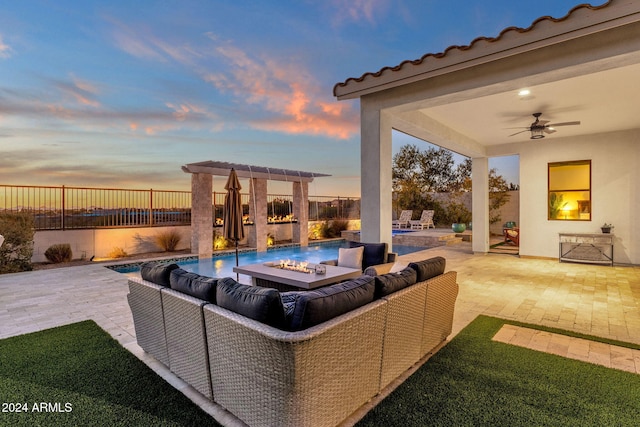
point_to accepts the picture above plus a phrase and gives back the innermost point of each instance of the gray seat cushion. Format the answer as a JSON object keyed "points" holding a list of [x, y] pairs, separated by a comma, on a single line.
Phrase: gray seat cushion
{"points": [[194, 285], [254, 302], [157, 272], [429, 268], [392, 282], [317, 306]]}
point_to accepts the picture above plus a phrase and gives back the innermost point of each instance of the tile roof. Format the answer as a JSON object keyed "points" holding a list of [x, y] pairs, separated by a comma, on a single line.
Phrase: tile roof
{"points": [[476, 41]]}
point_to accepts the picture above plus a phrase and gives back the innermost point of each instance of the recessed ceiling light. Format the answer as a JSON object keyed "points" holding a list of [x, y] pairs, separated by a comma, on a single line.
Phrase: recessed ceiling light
{"points": [[524, 92]]}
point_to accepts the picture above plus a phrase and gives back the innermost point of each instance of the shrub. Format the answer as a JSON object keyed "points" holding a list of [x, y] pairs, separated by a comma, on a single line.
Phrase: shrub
{"points": [[117, 252], [337, 226], [168, 240], [458, 213], [316, 231], [17, 249], [219, 242], [59, 253], [329, 230]]}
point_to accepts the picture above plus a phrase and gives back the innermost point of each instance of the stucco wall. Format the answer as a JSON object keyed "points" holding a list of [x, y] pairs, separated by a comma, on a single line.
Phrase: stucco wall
{"points": [[99, 242], [615, 192], [510, 211]]}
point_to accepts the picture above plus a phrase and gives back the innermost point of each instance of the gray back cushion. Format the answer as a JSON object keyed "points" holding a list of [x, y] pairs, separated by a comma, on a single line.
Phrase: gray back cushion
{"points": [[317, 306], [194, 285], [254, 302], [157, 272], [374, 253], [429, 268], [391, 282]]}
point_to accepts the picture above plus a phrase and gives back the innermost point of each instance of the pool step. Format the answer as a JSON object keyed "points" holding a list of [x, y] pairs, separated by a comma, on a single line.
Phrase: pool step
{"points": [[424, 238]]}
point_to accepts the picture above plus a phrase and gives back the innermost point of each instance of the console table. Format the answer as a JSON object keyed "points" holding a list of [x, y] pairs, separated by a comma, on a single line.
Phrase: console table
{"points": [[593, 248]]}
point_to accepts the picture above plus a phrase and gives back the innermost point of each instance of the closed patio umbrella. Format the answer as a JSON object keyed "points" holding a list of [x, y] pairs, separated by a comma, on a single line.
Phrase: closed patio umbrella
{"points": [[233, 229]]}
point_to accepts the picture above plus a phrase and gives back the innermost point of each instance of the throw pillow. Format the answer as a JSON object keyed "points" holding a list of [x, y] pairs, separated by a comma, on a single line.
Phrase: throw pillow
{"points": [[254, 302], [429, 268], [351, 258], [314, 307], [374, 253], [157, 272], [194, 285]]}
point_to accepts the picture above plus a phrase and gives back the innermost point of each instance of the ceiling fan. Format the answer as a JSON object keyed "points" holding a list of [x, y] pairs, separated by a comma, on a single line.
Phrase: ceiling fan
{"points": [[540, 127]]}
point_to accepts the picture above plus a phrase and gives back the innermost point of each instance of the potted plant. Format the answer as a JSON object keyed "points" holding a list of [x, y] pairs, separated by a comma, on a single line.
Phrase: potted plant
{"points": [[606, 228], [459, 215]]}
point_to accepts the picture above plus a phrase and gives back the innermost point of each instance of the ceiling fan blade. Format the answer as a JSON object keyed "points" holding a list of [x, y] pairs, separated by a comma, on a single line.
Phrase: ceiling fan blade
{"points": [[563, 124], [520, 127], [542, 122], [526, 130]]}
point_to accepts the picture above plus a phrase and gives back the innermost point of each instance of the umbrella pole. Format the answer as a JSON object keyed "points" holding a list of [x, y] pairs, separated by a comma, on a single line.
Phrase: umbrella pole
{"points": [[237, 274]]}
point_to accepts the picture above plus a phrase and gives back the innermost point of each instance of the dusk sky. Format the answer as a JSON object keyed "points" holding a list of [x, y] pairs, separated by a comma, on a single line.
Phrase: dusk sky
{"points": [[121, 94]]}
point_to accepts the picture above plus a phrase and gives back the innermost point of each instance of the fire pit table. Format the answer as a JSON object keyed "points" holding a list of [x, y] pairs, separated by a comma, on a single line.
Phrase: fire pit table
{"points": [[273, 275]]}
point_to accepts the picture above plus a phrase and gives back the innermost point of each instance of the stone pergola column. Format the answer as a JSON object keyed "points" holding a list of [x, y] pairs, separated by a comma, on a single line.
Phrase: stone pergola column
{"points": [[202, 214], [258, 212], [301, 212]]}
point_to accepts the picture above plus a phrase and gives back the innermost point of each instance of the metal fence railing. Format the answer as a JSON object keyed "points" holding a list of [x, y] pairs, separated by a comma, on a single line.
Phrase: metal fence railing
{"points": [[61, 208]]}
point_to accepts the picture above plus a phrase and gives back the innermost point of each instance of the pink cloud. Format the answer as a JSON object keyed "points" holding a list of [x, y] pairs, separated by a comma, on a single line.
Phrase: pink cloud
{"points": [[5, 49], [297, 103]]}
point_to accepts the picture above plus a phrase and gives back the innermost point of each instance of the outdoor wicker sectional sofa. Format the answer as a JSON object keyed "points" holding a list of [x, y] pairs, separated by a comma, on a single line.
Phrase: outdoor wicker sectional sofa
{"points": [[315, 367]]}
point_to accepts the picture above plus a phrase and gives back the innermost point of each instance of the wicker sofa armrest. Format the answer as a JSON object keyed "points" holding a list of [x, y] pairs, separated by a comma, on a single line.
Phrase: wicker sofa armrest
{"points": [[186, 340], [392, 256], [315, 377], [376, 270], [145, 301], [442, 292]]}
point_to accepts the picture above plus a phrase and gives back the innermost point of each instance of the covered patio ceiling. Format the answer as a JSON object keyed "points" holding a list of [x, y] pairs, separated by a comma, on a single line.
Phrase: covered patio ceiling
{"points": [[474, 103]]}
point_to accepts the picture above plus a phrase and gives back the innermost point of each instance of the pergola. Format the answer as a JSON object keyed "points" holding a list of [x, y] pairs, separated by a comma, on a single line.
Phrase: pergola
{"points": [[202, 204]]}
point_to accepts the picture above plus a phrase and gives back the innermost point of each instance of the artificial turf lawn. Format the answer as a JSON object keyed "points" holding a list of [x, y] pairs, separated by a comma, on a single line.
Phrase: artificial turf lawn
{"points": [[84, 377], [473, 381]]}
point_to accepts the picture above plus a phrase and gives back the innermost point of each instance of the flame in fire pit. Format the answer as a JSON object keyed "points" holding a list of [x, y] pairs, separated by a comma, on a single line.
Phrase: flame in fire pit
{"points": [[295, 266]]}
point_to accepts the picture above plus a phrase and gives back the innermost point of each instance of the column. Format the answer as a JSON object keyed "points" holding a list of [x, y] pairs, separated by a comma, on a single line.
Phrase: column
{"points": [[258, 213], [202, 214], [480, 204], [301, 213], [375, 174]]}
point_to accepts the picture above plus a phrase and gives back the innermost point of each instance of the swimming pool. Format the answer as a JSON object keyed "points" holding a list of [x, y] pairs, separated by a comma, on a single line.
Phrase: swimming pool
{"points": [[222, 266]]}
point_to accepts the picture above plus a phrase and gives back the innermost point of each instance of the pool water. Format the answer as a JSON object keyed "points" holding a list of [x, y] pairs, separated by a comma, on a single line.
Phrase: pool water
{"points": [[222, 266]]}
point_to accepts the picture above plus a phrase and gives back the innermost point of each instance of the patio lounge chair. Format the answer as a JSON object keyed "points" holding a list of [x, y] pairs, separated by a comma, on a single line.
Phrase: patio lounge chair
{"points": [[512, 235], [426, 220], [403, 221]]}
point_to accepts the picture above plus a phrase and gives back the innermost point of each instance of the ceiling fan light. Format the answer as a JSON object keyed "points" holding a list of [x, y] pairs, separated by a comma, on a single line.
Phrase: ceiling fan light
{"points": [[537, 133]]}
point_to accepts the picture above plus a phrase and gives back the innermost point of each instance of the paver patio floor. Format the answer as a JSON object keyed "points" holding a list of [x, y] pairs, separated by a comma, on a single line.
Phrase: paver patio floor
{"points": [[591, 299]]}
